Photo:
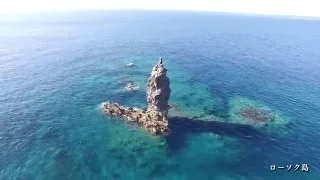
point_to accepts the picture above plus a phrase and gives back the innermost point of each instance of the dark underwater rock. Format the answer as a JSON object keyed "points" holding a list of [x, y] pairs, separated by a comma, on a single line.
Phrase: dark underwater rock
{"points": [[91, 160], [67, 168], [256, 114], [251, 112], [64, 164], [52, 134]]}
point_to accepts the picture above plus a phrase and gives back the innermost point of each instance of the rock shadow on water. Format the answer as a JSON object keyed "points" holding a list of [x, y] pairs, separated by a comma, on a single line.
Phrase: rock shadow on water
{"points": [[181, 127]]}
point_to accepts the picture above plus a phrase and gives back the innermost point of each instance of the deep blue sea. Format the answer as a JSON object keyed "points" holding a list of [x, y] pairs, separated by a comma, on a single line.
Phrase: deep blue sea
{"points": [[56, 69]]}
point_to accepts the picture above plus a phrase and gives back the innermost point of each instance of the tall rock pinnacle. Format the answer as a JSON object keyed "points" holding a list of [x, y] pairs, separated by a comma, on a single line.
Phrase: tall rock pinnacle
{"points": [[158, 90]]}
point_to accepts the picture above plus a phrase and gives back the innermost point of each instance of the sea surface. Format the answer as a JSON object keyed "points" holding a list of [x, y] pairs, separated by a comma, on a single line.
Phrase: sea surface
{"points": [[56, 69]]}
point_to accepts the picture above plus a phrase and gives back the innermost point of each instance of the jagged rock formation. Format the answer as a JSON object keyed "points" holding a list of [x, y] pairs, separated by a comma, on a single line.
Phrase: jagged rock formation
{"points": [[155, 117], [158, 90]]}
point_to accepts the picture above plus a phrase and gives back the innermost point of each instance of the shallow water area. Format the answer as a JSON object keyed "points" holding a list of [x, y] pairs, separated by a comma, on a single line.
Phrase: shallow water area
{"points": [[254, 113]]}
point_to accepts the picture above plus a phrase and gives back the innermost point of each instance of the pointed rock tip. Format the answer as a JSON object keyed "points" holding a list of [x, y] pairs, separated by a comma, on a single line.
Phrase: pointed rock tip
{"points": [[160, 60]]}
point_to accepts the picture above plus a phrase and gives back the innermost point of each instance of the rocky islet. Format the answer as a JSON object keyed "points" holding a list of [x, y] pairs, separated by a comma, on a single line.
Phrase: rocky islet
{"points": [[155, 117]]}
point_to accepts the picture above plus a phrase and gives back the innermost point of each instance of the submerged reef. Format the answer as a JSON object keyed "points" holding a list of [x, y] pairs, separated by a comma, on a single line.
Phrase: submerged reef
{"points": [[247, 111], [258, 115], [155, 117]]}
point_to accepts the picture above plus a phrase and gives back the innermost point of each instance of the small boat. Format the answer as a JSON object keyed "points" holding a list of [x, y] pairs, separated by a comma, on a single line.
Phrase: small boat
{"points": [[130, 64]]}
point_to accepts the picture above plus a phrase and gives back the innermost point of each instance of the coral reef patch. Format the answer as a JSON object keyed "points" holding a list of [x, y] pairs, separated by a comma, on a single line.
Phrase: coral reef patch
{"points": [[251, 112]]}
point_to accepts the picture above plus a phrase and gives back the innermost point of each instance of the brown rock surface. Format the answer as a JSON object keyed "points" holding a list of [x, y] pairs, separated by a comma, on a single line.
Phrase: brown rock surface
{"points": [[255, 114], [158, 90]]}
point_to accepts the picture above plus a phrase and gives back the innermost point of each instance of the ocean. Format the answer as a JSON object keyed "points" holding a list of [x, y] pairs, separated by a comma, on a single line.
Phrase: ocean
{"points": [[56, 69]]}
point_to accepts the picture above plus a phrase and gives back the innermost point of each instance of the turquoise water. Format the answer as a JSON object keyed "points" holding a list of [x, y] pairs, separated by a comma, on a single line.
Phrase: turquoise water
{"points": [[56, 69]]}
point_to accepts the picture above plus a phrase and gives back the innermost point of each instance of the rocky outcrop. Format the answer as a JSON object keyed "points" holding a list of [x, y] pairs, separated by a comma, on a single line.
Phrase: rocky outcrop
{"points": [[158, 90], [150, 119], [155, 117], [131, 86]]}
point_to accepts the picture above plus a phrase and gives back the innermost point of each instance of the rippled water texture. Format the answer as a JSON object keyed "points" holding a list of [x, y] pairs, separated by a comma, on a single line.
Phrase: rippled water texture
{"points": [[245, 90]]}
